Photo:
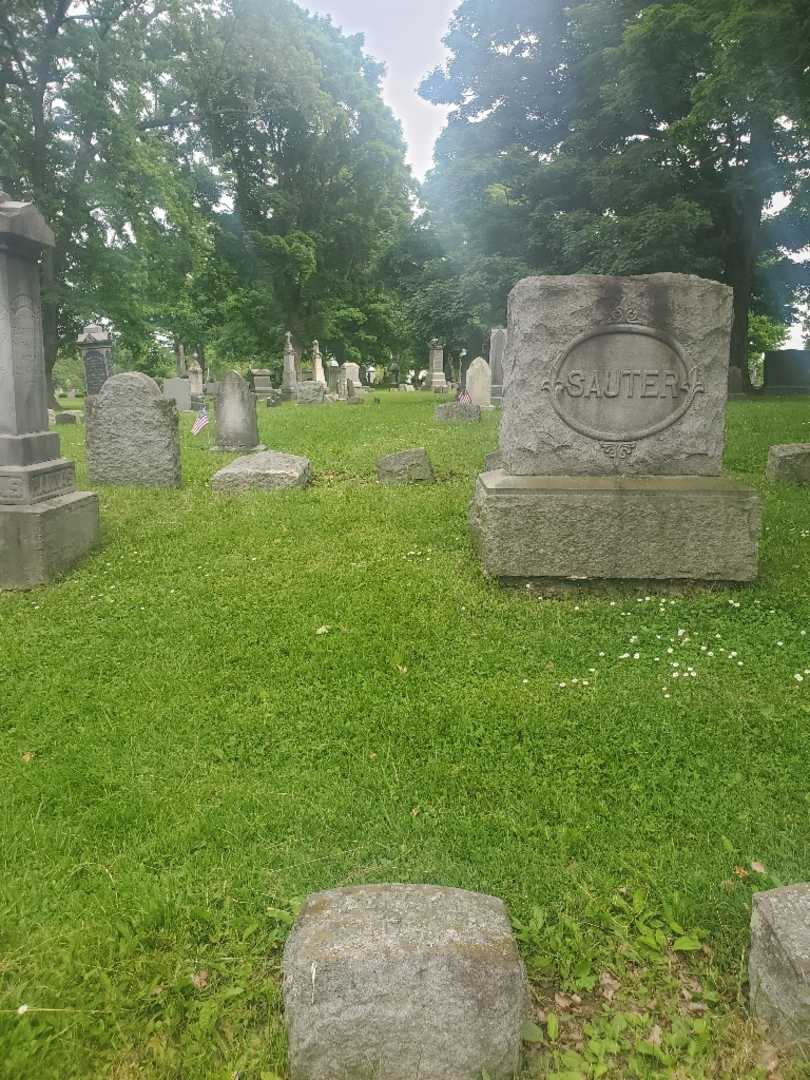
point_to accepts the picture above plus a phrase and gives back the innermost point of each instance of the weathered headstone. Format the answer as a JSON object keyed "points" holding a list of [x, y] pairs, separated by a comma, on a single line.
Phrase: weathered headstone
{"points": [[479, 383], [67, 416], [289, 376], [45, 524], [332, 374], [343, 383], [178, 391], [265, 471], [790, 463], [354, 395], [317, 365], [458, 412], [779, 964], [132, 434], [311, 393], [403, 981], [435, 378], [95, 345], [195, 378], [787, 371], [612, 436], [261, 382], [237, 426], [405, 467], [497, 349], [353, 373]]}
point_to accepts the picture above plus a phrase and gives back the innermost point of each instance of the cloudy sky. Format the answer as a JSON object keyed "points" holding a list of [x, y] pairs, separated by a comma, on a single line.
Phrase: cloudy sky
{"points": [[407, 36]]}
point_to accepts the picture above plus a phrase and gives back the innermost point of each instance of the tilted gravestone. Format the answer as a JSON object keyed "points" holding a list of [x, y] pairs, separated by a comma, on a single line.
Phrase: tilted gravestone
{"points": [[612, 436], [497, 348], [45, 524], [403, 981], [132, 434], [237, 426], [479, 383], [95, 344]]}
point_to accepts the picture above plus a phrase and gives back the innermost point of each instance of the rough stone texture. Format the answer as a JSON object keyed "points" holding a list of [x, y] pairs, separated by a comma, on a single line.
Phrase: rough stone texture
{"points": [[95, 344], [273, 399], [67, 417], [479, 383], [493, 461], [611, 375], [435, 378], [787, 371], [736, 386], [45, 526], [132, 434], [237, 426], [311, 393], [399, 982], [457, 412], [779, 963], [267, 471], [178, 391], [789, 462], [497, 349], [405, 467], [637, 528]]}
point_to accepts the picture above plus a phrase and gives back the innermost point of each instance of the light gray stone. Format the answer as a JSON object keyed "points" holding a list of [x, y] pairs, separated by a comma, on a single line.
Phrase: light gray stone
{"points": [[616, 375], [95, 345], [353, 373], [497, 349], [45, 525], [237, 426], [493, 461], [457, 412], [779, 964], [399, 982], [67, 416], [178, 391], [195, 378], [405, 467], [266, 471], [332, 374], [132, 434], [435, 378], [289, 376], [603, 527], [479, 383], [261, 382], [790, 463], [311, 393], [317, 365]]}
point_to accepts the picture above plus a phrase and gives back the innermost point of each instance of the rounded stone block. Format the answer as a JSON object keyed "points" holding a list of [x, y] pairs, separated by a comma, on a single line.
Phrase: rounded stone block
{"points": [[405, 467], [790, 463], [394, 982], [266, 471]]}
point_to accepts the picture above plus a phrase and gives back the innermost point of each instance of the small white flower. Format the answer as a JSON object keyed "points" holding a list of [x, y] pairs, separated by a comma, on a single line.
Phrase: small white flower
{"points": [[634, 639], [667, 695], [22, 1010], [681, 633], [670, 651], [636, 655], [780, 643], [563, 685], [601, 654], [625, 656], [525, 682], [798, 677]]}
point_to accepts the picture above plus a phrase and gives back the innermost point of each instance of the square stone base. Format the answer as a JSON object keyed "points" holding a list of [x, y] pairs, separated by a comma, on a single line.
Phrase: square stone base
{"points": [[585, 528], [37, 543]]}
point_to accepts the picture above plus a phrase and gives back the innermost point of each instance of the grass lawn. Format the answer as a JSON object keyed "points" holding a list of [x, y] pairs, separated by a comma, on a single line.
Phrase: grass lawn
{"points": [[236, 701]]}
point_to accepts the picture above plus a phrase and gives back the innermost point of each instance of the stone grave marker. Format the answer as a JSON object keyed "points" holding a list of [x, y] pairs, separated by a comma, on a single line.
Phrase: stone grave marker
{"points": [[289, 376], [353, 373], [405, 467], [178, 391], [435, 378], [332, 375], [342, 383], [318, 375], [790, 463], [458, 412], [261, 382], [265, 471], [403, 981], [779, 964], [479, 383], [195, 378], [787, 371], [237, 426], [612, 436], [497, 349], [133, 434], [46, 526], [95, 345]]}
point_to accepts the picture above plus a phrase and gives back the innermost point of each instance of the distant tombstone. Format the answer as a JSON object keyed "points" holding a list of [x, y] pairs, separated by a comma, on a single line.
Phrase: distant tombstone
{"points": [[789, 463], [178, 391], [479, 383], [371, 373], [458, 412], [332, 374], [95, 344], [237, 427], [497, 349], [354, 395], [261, 382], [132, 434], [289, 376], [343, 383], [434, 377], [311, 393], [353, 373], [195, 378], [45, 524], [317, 365], [787, 371]]}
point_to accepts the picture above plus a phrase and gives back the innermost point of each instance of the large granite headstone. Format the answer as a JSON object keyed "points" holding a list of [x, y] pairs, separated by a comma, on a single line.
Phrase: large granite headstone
{"points": [[787, 371], [132, 434], [436, 379], [95, 344], [612, 436], [237, 426], [45, 524], [479, 383], [178, 391], [497, 349], [403, 981]]}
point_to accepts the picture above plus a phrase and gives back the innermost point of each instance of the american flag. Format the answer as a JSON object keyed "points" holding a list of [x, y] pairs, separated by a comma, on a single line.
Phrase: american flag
{"points": [[201, 421], [463, 397]]}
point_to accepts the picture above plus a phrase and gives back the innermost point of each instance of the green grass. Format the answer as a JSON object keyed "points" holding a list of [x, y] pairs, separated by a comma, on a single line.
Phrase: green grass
{"points": [[182, 753]]}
